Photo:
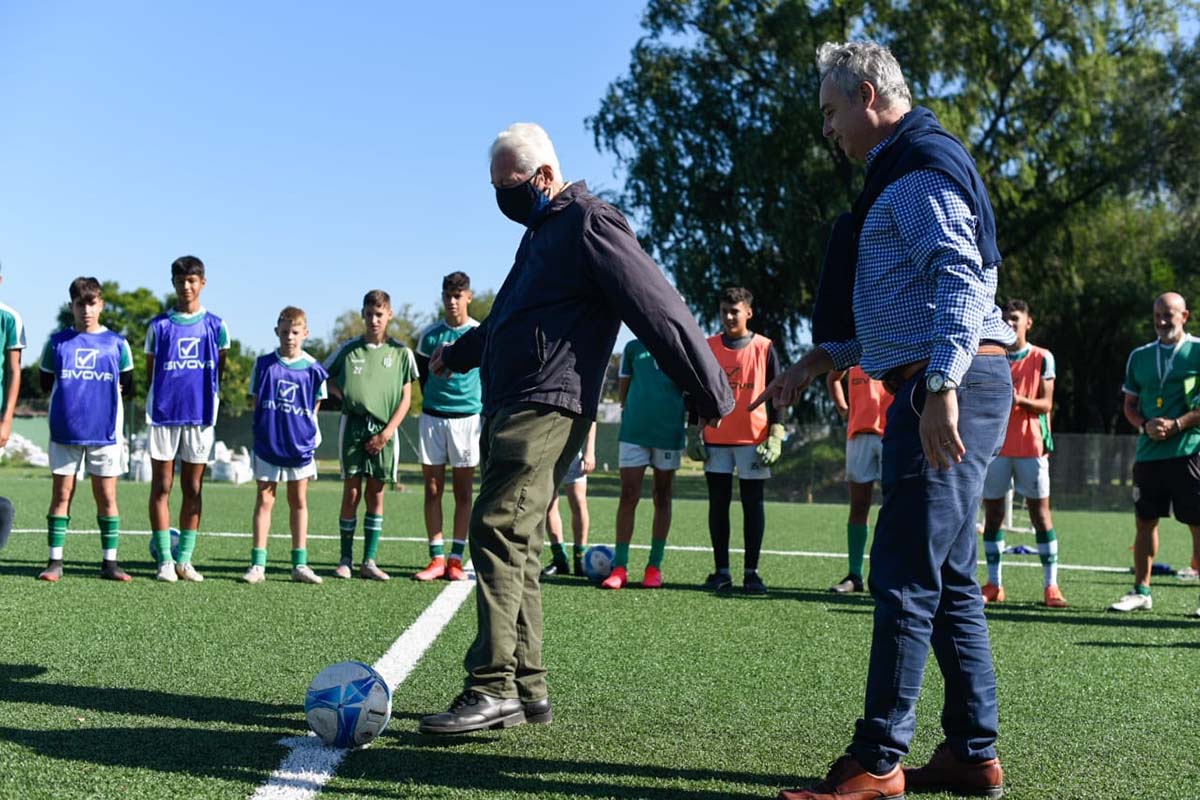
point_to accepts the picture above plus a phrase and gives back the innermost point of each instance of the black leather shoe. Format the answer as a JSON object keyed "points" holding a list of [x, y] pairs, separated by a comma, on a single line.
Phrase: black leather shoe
{"points": [[472, 711], [537, 712], [556, 567]]}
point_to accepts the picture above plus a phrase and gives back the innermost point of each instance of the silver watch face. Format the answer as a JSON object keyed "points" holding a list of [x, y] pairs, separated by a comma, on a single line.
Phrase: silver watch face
{"points": [[935, 382]]}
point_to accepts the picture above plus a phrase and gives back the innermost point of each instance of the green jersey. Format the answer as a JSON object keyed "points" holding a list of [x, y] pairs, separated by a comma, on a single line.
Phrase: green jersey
{"points": [[654, 413], [458, 394], [12, 337], [1163, 378], [371, 377]]}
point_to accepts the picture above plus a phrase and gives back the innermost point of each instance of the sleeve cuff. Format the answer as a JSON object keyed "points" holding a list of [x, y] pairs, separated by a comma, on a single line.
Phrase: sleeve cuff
{"points": [[951, 362], [844, 354]]}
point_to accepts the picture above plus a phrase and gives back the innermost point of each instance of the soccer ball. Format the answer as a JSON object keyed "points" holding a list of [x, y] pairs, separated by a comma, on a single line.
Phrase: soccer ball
{"points": [[598, 561], [174, 546], [348, 704]]}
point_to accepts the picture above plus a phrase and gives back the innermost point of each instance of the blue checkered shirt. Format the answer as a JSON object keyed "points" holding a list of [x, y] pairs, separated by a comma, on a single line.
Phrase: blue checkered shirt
{"points": [[921, 290]]}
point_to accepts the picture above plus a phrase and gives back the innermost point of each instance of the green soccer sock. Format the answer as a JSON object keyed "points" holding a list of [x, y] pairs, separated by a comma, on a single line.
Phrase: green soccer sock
{"points": [[658, 548], [993, 546], [856, 545], [622, 557], [110, 533], [56, 535], [1047, 544], [373, 528], [162, 543], [1141, 588], [437, 548], [258, 556], [558, 550], [577, 550], [187, 546], [299, 557], [346, 531], [457, 548]]}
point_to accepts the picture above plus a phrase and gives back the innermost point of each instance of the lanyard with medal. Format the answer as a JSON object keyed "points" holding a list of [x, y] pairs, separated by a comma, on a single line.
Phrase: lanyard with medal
{"points": [[1164, 371]]}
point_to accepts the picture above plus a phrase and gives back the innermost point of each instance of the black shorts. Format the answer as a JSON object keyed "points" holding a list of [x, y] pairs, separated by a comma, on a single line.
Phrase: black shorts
{"points": [[1166, 484]]}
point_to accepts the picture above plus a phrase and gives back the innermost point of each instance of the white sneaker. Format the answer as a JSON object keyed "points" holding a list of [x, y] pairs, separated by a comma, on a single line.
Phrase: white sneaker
{"points": [[166, 572], [1133, 602], [255, 574], [369, 570], [1187, 574], [188, 573], [344, 569], [304, 574]]}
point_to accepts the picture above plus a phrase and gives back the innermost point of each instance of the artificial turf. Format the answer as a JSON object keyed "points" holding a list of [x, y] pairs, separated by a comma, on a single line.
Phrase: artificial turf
{"points": [[148, 690]]}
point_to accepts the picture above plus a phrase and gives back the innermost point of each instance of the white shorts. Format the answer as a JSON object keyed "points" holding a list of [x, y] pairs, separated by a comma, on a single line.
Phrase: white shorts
{"points": [[107, 461], [193, 444], [864, 458], [266, 471], [724, 458], [450, 441], [1031, 475], [634, 455], [575, 473]]}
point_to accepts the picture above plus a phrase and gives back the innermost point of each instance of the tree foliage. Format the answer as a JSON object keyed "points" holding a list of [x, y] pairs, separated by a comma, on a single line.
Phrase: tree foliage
{"points": [[1080, 115]]}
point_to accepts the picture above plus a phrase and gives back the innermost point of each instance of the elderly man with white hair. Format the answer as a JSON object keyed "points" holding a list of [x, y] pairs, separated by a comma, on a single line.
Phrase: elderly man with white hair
{"points": [[542, 353], [908, 291]]}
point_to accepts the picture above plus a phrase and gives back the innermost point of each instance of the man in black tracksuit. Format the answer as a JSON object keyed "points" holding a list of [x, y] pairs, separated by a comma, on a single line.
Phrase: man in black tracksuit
{"points": [[542, 353]]}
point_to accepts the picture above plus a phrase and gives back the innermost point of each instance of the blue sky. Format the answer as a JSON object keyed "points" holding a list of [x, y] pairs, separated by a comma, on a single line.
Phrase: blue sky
{"points": [[306, 152]]}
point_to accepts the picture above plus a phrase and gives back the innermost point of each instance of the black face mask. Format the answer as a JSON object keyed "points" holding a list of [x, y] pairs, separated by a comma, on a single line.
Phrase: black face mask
{"points": [[521, 203]]}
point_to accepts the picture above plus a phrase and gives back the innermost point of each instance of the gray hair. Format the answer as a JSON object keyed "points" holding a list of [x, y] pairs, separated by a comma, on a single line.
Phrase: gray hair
{"points": [[851, 63], [530, 145]]}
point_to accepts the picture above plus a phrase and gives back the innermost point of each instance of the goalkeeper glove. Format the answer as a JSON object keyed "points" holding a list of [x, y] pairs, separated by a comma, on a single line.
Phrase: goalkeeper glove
{"points": [[768, 451]]}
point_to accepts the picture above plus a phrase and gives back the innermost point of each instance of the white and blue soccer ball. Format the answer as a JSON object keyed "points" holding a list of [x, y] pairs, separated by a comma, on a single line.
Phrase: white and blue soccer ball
{"points": [[174, 546], [598, 562], [348, 704]]}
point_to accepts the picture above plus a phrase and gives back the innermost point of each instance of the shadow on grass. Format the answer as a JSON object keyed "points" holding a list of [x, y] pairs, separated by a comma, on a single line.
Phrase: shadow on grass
{"points": [[246, 756], [397, 763], [804, 595], [15, 687], [1090, 618], [409, 759], [1179, 645]]}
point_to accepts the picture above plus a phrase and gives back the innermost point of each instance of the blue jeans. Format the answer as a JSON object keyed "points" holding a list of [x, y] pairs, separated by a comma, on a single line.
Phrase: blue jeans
{"points": [[923, 576]]}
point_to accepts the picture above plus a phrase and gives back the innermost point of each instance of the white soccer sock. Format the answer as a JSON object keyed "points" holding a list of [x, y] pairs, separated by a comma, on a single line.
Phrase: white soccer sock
{"points": [[993, 552]]}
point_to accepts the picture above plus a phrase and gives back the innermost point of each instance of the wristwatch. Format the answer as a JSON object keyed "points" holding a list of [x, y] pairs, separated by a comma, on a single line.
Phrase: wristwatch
{"points": [[936, 383]]}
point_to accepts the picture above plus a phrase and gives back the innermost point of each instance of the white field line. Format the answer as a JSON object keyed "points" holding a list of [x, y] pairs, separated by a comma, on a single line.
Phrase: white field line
{"points": [[309, 764], [674, 547]]}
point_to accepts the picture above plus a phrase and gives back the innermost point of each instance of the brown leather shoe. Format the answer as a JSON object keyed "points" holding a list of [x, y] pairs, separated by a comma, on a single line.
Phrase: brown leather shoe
{"points": [[945, 772], [847, 780]]}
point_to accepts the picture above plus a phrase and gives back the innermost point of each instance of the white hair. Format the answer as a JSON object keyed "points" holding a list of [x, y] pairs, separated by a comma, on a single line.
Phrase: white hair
{"points": [[530, 145], [851, 63]]}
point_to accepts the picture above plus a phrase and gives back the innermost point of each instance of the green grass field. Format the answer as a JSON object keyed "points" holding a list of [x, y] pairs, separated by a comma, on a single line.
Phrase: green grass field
{"points": [[153, 691]]}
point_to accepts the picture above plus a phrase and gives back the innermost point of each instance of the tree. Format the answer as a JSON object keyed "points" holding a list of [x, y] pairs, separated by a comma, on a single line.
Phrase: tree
{"points": [[1067, 108]]}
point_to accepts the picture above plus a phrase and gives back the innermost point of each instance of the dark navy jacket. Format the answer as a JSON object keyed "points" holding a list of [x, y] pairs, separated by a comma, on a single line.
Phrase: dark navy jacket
{"points": [[578, 273], [919, 142]]}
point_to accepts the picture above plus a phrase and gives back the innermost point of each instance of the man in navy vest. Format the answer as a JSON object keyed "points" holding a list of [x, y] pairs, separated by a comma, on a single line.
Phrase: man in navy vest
{"points": [[908, 291]]}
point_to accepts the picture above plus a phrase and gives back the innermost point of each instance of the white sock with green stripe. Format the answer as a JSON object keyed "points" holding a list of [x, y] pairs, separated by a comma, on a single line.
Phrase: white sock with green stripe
{"points": [[1047, 544], [993, 547]]}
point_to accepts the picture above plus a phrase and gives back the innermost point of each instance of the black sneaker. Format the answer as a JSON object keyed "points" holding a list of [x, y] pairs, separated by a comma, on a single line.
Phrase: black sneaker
{"points": [[850, 583], [717, 582], [753, 584], [579, 572], [558, 566]]}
